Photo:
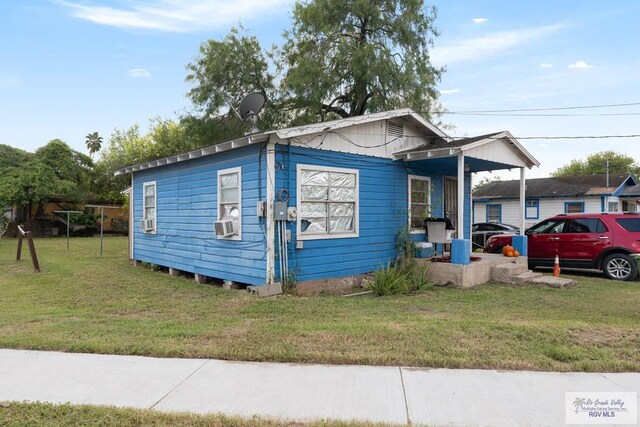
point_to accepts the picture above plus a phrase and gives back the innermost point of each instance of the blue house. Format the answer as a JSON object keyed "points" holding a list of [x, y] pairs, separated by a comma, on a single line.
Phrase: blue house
{"points": [[317, 202]]}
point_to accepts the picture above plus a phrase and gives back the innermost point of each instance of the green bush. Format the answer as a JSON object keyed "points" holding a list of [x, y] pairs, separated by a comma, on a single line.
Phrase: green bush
{"points": [[404, 277]]}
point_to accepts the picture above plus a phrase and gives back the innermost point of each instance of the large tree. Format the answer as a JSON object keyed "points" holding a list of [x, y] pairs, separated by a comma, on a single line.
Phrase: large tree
{"points": [[55, 171], [131, 146], [359, 56], [11, 157], [599, 163], [224, 72], [340, 59]]}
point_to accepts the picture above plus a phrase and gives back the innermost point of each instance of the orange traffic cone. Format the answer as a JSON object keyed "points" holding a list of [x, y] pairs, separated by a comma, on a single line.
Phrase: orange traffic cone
{"points": [[556, 267]]}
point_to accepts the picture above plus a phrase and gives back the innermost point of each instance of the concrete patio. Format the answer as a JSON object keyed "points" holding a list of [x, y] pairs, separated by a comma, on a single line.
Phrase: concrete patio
{"points": [[489, 268]]}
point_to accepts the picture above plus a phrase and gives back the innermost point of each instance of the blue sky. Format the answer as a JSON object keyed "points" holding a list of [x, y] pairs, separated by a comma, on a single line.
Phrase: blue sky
{"points": [[71, 67]]}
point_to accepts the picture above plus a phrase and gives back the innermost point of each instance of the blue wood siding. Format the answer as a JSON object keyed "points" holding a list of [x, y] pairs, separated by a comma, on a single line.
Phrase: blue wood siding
{"points": [[383, 208], [186, 209]]}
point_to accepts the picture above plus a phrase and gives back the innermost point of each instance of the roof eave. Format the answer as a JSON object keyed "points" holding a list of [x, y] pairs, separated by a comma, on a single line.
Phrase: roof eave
{"points": [[200, 152]]}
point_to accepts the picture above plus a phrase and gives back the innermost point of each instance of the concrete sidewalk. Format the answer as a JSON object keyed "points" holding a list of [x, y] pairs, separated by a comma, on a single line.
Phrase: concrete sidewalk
{"points": [[301, 392]]}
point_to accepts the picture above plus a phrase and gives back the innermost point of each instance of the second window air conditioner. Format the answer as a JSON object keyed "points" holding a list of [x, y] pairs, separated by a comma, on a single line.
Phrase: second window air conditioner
{"points": [[225, 228], [147, 224]]}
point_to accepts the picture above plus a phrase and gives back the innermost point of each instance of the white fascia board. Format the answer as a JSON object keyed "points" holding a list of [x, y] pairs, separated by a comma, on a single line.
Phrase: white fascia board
{"points": [[352, 121], [207, 151], [530, 160], [432, 154]]}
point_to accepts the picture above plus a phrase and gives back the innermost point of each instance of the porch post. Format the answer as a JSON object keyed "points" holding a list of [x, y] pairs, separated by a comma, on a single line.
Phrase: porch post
{"points": [[522, 199], [460, 216]]}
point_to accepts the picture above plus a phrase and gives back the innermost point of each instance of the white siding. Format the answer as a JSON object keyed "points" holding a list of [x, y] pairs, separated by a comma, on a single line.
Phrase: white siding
{"points": [[499, 152], [369, 139], [547, 208]]}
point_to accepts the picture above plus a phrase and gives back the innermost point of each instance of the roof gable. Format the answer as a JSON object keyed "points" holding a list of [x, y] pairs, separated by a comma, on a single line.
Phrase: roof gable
{"points": [[499, 147]]}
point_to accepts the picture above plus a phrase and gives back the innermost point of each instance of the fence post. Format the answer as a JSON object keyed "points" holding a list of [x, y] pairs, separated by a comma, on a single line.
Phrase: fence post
{"points": [[32, 251], [19, 254], [32, 248]]}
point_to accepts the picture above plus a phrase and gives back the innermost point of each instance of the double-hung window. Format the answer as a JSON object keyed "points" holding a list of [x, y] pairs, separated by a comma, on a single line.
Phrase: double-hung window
{"points": [[327, 202], [573, 207], [531, 209], [230, 198], [419, 201], [494, 213], [149, 207]]}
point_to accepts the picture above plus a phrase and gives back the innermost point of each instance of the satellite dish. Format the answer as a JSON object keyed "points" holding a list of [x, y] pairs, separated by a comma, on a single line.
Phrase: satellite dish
{"points": [[250, 106]]}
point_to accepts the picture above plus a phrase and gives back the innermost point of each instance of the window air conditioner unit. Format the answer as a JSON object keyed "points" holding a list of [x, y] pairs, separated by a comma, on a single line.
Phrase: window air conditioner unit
{"points": [[147, 224], [225, 228]]}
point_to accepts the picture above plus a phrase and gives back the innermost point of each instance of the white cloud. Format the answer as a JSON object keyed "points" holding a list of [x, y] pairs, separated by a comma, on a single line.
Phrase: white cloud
{"points": [[449, 91], [581, 65], [172, 15], [139, 72], [491, 44], [546, 65], [479, 20]]}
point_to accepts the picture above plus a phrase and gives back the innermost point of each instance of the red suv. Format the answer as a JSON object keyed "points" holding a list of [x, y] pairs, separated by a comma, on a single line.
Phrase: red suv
{"points": [[602, 241]]}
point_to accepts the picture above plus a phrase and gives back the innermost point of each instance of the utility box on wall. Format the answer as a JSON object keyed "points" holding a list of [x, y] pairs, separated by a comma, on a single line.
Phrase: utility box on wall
{"points": [[280, 211]]}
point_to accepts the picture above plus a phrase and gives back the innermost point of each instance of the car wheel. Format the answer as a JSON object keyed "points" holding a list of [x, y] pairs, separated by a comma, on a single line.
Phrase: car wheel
{"points": [[620, 267]]}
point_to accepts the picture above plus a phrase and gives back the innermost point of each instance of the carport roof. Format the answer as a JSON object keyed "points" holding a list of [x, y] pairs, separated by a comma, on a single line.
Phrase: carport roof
{"points": [[501, 147]]}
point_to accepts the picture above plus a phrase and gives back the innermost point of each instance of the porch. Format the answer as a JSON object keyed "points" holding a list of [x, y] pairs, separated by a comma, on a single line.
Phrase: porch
{"points": [[488, 268]]}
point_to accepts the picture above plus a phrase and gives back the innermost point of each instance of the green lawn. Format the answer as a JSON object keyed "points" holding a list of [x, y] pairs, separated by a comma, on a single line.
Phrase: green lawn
{"points": [[81, 303], [31, 414]]}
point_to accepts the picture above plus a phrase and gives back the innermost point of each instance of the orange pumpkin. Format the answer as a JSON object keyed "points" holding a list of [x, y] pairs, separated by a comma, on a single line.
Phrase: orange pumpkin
{"points": [[509, 254], [516, 253], [507, 248]]}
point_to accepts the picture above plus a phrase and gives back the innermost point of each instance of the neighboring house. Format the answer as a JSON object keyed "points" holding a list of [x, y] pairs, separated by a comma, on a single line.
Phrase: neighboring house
{"points": [[498, 201], [316, 202], [47, 221]]}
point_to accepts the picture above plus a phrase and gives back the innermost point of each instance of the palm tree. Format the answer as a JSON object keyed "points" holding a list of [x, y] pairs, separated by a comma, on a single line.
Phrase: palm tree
{"points": [[94, 142], [578, 403]]}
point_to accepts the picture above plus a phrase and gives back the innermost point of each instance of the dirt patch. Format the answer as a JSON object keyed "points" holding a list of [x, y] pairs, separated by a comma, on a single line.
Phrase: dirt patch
{"points": [[605, 337]]}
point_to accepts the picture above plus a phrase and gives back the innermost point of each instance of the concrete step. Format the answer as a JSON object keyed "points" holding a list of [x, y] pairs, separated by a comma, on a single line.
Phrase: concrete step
{"points": [[553, 282], [504, 273], [524, 278]]}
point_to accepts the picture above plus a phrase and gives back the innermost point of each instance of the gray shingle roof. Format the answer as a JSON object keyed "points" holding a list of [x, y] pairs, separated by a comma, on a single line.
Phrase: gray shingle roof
{"points": [[632, 190], [553, 187]]}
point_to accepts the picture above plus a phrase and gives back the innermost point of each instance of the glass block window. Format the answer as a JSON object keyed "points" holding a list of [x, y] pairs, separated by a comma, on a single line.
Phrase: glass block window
{"points": [[327, 202]]}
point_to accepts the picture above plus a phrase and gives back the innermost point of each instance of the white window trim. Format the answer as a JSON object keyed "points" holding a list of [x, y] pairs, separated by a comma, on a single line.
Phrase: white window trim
{"points": [[229, 171], [144, 205], [356, 219], [421, 178]]}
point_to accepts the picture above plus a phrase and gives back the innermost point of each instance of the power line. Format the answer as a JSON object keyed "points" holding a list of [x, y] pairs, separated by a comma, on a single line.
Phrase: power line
{"points": [[458, 113], [323, 136], [521, 110], [568, 137]]}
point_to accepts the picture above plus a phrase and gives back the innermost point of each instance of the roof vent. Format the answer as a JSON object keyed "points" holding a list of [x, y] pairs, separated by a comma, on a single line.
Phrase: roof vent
{"points": [[395, 130]]}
